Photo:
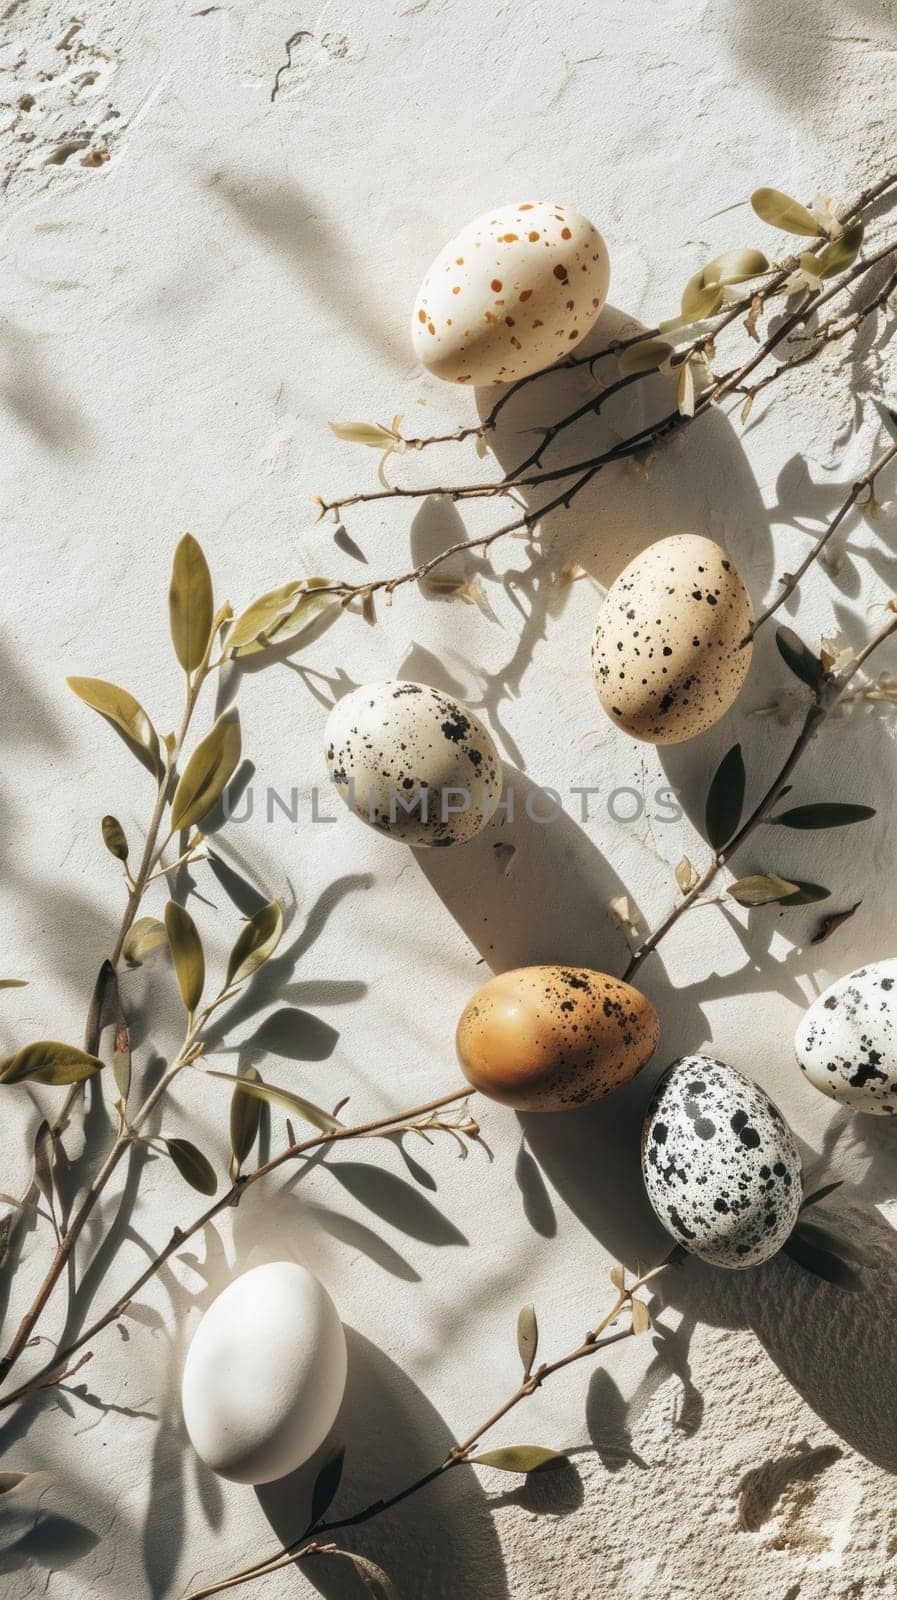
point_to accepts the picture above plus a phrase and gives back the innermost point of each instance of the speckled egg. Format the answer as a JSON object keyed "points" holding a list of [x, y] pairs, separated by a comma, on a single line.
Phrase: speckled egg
{"points": [[847, 1042], [720, 1164], [550, 1038], [413, 763], [667, 655], [512, 293]]}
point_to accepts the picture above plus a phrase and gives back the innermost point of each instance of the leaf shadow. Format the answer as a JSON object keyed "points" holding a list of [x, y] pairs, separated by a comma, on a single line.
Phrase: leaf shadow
{"points": [[447, 1528]]}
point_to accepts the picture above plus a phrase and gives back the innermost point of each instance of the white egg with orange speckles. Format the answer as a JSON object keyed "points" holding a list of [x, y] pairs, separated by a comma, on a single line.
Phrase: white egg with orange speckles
{"points": [[672, 646], [847, 1041], [513, 292], [415, 764]]}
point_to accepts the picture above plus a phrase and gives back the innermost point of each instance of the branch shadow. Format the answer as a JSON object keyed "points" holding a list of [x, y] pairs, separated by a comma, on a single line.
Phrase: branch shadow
{"points": [[392, 1434]]}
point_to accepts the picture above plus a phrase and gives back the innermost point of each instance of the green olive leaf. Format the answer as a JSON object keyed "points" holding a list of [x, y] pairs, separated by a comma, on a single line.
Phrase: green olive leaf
{"points": [[725, 799], [256, 941], [114, 838], [124, 714], [192, 1165], [145, 936], [518, 1458], [48, 1062], [700, 298], [799, 657], [13, 983], [646, 356], [280, 615], [736, 266], [245, 1115], [186, 953], [281, 1097], [840, 253], [780, 211], [207, 773], [760, 889], [825, 814], [191, 603], [527, 1337]]}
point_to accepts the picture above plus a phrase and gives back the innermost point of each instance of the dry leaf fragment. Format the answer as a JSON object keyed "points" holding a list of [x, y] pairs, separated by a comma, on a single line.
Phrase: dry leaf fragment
{"points": [[624, 914], [686, 875], [641, 1317], [832, 923]]}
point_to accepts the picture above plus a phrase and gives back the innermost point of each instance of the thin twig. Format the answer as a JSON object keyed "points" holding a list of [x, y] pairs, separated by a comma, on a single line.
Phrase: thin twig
{"points": [[592, 1344], [790, 583], [231, 1197], [582, 472], [149, 859], [829, 694]]}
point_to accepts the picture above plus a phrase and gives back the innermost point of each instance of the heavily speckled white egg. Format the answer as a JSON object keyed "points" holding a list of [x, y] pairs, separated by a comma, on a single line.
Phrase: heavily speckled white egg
{"points": [[720, 1164], [513, 292], [413, 763], [668, 653], [847, 1042], [265, 1374]]}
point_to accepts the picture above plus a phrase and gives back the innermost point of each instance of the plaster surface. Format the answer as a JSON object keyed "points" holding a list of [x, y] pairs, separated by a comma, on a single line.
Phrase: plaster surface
{"points": [[211, 239]]}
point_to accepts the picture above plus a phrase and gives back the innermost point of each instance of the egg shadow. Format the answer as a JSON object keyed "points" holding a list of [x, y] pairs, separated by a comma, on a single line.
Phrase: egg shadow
{"points": [[698, 481], [393, 1434], [525, 893]]}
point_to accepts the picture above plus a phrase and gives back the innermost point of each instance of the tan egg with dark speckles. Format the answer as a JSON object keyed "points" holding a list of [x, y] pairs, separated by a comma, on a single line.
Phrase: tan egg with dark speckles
{"points": [[512, 292], [551, 1038], [669, 655]]}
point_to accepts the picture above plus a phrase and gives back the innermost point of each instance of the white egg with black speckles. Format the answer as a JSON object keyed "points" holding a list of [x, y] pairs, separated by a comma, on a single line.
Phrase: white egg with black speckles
{"points": [[669, 653], [512, 292], [415, 764], [720, 1164], [847, 1041]]}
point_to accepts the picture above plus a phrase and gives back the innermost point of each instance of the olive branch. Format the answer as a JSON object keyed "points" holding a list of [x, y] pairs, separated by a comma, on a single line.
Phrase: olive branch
{"points": [[189, 786]]}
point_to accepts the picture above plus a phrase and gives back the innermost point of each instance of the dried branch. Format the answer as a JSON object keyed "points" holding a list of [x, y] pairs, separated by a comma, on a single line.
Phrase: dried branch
{"points": [[827, 696], [150, 858], [575, 476], [863, 485], [398, 1122], [591, 1345]]}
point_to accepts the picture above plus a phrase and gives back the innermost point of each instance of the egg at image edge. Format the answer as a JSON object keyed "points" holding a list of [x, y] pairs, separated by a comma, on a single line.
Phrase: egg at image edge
{"points": [[846, 1043], [512, 293], [549, 1038], [668, 655], [265, 1374]]}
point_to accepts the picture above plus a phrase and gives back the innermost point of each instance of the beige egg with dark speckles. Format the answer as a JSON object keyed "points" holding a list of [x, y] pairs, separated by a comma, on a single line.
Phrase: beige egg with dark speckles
{"points": [[668, 655], [512, 293], [551, 1038]]}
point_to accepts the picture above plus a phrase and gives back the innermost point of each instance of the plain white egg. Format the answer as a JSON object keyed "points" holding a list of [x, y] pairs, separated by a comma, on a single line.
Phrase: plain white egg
{"points": [[265, 1374]]}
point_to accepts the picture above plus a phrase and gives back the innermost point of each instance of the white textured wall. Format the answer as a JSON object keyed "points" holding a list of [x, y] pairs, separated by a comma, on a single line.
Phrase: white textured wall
{"points": [[178, 323]]}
